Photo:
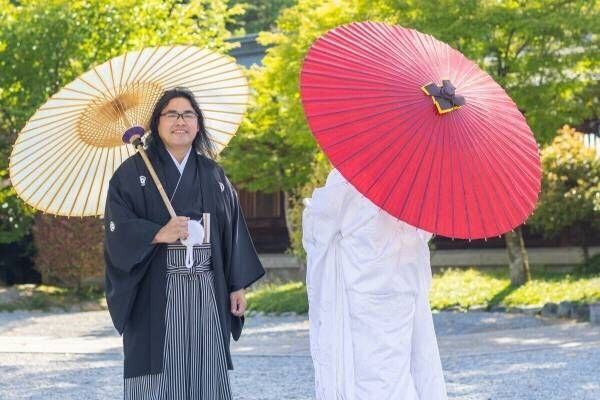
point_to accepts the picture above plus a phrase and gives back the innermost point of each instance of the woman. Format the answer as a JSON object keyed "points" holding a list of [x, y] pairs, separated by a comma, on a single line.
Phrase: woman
{"points": [[368, 277], [176, 314]]}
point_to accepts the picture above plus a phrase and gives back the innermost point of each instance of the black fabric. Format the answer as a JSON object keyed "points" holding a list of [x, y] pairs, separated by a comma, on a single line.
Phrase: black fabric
{"points": [[136, 269]]}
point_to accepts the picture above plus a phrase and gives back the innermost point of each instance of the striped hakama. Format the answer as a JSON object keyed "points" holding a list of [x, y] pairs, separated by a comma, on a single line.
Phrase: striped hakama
{"points": [[194, 363]]}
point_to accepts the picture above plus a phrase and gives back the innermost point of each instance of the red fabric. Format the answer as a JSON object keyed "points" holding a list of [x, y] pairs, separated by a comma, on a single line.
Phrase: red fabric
{"points": [[470, 173]]}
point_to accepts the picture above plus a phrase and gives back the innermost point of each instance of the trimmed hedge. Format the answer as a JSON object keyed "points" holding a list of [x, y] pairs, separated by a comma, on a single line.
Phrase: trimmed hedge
{"points": [[69, 251]]}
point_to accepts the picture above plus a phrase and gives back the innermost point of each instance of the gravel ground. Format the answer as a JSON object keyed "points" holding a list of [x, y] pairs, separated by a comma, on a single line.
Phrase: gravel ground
{"points": [[486, 356]]}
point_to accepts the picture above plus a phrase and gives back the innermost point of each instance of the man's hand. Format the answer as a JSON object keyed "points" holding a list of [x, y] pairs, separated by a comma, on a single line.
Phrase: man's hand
{"points": [[176, 228], [238, 302]]}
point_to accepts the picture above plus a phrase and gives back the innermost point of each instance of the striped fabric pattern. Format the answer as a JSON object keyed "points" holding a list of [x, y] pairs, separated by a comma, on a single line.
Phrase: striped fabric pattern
{"points": [[194, 364]]}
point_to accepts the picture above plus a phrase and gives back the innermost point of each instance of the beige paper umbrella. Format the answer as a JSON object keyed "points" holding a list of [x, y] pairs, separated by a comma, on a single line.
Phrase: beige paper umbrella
{"points": [[67, 152]]}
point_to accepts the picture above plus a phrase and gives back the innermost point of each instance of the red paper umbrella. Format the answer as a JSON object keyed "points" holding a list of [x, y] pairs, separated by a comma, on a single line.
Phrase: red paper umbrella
{"points": [[420, 130]]}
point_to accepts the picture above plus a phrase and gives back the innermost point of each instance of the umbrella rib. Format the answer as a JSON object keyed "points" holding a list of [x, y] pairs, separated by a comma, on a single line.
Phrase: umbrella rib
{"points": [[193, 64], [223, 103], [462, 185], [112, 75], [100, 92], [95, 171], [467, 140], [323, 99], [402, 55], [414, 177], [349, 88], [524, 140], [200, 69], [415, 120], [358, 108], [396, 155], [71, 106], [42, 150], [130, 70], [222, 120], [156, 63], [70, 142], [525, 159], [65, 175], [210, 110], [23, 139], [385, 84], [220, 130], [103, 179], [439, 188], [135, 78], [387, 76], [358, 42], [48, 172], [518, 176], [194, 86], [226, 95], [168, 82], [116, 107], [123, 63], [67, 113], [370, 129], [198, 92], [433, 131], [70, 89]]}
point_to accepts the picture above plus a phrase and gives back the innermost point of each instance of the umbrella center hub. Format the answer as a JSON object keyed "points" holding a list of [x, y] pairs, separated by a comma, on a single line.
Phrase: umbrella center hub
{"points": [[106, 118], [448, 92], [444, 97]]}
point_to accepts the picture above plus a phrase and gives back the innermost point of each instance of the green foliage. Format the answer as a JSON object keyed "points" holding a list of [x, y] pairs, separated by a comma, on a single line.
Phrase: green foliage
{"points": [[15, 218], [259, 15], [320, 168], [46, 44], [274, 149], [545, 53], [570, 198], [592, 266]]}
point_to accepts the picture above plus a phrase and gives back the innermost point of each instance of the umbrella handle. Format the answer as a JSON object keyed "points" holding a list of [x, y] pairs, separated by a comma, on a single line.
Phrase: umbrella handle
{"points": [[137, 143]]}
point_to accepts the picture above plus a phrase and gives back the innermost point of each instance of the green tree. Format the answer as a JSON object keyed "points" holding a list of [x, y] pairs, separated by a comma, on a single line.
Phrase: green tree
{"points": [[543, 52], [259, 15], [570, 200], [46, 44]]}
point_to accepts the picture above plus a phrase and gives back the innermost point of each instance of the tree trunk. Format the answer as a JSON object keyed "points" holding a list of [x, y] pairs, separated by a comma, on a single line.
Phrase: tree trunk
{"points": [[286, 212], [517, 257]]}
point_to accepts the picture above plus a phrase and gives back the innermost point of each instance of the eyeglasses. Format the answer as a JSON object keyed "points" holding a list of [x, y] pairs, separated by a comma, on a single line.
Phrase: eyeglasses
{"points": [[187, 116]]}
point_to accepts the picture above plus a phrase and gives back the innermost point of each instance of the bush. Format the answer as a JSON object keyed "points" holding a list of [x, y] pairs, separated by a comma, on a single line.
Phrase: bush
{"points": [[569, 203], [69, 251], [591, 266], [321, 168], [15, 216]]}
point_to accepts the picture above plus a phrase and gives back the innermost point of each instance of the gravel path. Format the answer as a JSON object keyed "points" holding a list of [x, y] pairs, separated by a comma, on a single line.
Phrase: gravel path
{"points": [[486, 356]]}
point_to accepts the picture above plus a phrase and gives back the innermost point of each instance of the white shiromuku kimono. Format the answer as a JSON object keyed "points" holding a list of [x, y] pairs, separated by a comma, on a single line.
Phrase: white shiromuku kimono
{"points": [[368, 278]]}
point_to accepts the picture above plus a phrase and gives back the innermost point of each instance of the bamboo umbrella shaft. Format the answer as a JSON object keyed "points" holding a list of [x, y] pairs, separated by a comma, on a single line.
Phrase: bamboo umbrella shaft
{"points": [[138, 145]]}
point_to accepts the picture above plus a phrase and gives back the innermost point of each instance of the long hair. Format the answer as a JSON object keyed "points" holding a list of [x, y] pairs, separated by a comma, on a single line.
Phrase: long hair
{"points": [[201, 143]]}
